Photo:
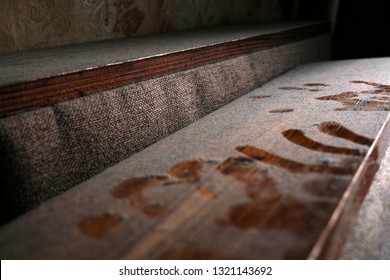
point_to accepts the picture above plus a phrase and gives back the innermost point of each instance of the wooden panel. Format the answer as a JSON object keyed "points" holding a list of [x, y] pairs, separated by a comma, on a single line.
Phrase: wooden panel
{"points": [[52, 88], [277, 174]]}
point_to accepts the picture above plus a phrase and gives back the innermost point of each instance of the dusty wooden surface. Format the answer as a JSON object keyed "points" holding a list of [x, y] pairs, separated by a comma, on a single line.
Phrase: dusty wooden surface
{"points": [[276, 174]]}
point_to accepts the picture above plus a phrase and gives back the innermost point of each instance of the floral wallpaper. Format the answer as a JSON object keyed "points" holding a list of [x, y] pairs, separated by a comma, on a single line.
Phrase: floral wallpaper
{"points": [[32, 24]]}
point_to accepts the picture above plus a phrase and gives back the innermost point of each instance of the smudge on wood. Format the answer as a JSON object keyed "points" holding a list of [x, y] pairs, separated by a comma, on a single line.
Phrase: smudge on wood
{"points": [[352, 102], [245, 170], [259, 96], [287, 110], [188, 171], [133, 191], [267, 214], [206, 193], [382, 98], [99, 226], [346, 98], [327, 188], [337, 130], [292, 166], [170, 183], [292, 88], [268, 208], [379, 88], [299, 138], [316, 85]]}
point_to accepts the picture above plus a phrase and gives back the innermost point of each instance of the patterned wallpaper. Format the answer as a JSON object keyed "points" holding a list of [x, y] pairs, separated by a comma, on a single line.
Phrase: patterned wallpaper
{"points": [[32, 24]]}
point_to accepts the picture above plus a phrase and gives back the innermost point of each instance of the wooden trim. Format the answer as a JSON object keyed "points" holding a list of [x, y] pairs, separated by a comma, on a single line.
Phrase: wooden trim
{"points": [[30, 95], [331, 243]]}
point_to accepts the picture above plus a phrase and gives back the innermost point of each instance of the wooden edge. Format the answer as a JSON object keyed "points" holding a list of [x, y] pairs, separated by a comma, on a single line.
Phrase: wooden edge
{"points": [[30, 95], [331, 242]]}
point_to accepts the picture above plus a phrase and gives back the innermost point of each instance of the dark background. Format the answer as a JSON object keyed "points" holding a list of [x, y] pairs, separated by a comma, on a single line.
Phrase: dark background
{"points": [[361, 27]]}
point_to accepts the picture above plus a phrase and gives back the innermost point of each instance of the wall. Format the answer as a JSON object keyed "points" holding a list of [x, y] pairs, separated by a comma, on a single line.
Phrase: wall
{"points": [[32, 24]]}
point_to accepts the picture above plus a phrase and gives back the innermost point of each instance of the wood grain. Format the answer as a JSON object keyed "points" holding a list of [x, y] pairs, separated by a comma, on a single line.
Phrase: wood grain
{"points": [[240, 183], [29, 95]]}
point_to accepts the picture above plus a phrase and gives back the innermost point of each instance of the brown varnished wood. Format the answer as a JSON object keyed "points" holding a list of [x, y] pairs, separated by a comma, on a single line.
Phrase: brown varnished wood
{"points": [[30, 95]]}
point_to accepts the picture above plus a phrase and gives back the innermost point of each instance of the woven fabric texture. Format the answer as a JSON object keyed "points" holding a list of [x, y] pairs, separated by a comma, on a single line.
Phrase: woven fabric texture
{"points": [[47, 151]]}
